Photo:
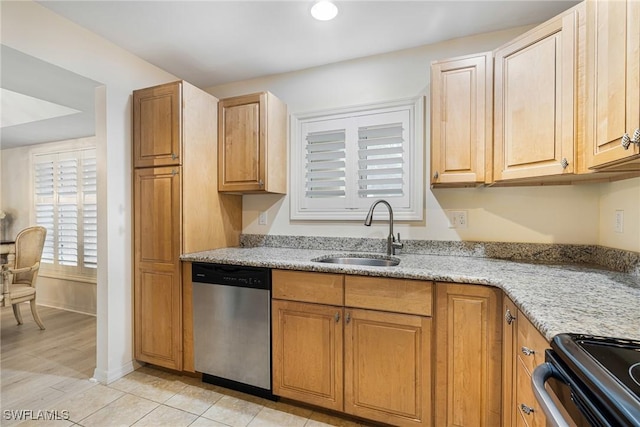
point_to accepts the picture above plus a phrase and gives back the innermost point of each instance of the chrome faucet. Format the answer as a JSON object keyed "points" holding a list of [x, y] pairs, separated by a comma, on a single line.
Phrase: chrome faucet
{"points": [[392, 244]]}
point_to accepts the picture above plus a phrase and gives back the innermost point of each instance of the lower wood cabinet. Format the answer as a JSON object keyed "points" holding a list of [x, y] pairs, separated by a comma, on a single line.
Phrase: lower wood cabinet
{"points": [[370, 363], [468, 355], [307, 353], [387, 367]]}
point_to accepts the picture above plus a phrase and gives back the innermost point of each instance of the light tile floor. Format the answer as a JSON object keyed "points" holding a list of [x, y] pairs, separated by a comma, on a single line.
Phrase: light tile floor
{"points": [[155, 398], [47, 372]]}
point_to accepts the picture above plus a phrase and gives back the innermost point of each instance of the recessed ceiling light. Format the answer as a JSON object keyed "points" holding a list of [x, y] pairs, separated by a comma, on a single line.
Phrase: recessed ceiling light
{"points": [[324, 10]]}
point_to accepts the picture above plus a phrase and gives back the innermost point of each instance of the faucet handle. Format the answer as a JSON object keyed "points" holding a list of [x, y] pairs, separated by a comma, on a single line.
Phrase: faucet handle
{"points": [[396, 244]]}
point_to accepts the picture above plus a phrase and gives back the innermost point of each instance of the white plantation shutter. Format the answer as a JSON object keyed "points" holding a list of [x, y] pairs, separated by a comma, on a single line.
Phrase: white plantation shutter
{"points": [[343, 161], [67, 229], [325, 164], [89, 213], [45, 206], [65, 204], [381, 161]]}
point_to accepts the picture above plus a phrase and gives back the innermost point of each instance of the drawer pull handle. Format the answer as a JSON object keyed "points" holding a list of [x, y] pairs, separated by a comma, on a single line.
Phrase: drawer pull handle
{"points": [[527, 351], [526, 409], [509, 317]]}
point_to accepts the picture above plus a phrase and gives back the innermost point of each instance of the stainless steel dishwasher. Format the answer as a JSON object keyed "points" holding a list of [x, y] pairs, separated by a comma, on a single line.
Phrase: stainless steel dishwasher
{"points": [[232, 326]]}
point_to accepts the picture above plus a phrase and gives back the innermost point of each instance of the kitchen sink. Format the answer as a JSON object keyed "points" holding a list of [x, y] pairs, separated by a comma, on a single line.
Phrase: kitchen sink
{"points": [[357, 259]]}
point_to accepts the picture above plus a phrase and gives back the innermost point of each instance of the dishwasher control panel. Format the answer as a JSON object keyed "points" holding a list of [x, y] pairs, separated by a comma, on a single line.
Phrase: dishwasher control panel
{"points": [[231, 275]]}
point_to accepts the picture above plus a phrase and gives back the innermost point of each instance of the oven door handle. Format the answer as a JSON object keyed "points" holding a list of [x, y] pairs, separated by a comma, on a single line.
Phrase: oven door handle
{"points": [[539, 377]]}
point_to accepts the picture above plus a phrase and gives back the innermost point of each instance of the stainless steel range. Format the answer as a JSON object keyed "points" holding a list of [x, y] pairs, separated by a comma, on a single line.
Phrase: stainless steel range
{"points": [[602, 374]]}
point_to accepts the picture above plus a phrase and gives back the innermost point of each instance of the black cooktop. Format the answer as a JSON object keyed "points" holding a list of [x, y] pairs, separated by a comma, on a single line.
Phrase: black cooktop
{"points": [[609, 368], [620, 357]]}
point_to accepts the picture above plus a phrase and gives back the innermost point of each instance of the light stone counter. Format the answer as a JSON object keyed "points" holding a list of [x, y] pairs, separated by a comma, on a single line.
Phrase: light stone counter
{"points": [[556, 298]]}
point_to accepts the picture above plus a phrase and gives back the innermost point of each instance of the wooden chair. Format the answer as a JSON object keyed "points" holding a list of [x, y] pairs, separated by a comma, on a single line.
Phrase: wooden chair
{"points": [[19, 279]]}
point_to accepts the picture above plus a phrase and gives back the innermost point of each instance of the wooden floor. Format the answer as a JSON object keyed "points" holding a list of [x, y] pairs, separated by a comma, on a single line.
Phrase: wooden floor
{"points": [[47, 374], [40, 367]]}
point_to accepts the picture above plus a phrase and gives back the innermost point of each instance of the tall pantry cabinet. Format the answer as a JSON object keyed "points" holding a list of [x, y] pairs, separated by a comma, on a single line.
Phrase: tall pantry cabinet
{"points": [[176, 209]]}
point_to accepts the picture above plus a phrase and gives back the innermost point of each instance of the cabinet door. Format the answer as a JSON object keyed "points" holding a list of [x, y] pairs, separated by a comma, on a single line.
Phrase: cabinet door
{"points": [[535, 80], [157, 125], [387, 367], [468, 356], [613, 80], [157, 286], [242, 132], [461, 119], [307, 353]]}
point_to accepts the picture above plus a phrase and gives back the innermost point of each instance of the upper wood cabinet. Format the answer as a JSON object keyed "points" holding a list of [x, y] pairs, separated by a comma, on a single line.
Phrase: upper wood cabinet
{"points": [[468, 356], [252, 144], [157, 126], [176, 209], [535, 101], [613, 84], [461, 120]]}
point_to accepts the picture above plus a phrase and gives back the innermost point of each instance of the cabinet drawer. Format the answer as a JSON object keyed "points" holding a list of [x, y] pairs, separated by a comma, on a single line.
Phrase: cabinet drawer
{"points": [[321, 288], [525, 396], [530, 345], [397, 295]]}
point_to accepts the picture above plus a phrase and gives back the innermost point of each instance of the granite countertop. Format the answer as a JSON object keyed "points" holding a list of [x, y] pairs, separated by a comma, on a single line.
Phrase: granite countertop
{"points": [[556, 298]]}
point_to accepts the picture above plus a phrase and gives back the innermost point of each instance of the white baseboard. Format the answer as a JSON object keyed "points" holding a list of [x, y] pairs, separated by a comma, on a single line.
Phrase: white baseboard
{"points": [[107, 377]]}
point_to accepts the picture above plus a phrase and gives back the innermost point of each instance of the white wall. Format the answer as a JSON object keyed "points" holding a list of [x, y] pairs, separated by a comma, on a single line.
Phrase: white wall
{"points": [[549, 214], [36, 31], [624, 196]]}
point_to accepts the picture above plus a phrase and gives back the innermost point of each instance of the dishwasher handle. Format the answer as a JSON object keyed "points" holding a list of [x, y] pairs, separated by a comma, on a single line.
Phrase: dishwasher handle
{"points": [[539, 377]]}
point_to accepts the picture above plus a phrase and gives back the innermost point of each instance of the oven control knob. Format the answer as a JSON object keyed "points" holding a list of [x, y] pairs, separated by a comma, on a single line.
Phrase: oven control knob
{"points": [[527, 351], [526, 409]]}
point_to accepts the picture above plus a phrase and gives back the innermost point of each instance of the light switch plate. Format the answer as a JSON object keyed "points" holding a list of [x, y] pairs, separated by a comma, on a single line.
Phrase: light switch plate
{"points": [[618, 226], [262, 218]]}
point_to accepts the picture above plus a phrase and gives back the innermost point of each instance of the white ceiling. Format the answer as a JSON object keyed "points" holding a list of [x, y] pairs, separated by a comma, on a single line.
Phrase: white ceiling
{"points": [[42, 102], [214, 42]]}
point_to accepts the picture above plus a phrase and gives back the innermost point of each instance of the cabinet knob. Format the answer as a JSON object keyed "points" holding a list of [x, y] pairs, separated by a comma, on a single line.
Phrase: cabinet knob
{"points": [[626, 141], [337, 317], [173, 156], [261, 183], [527, 351], [508, 317], [436, 175], [526, 409], [174, 172], [564, 163], [347, 319]]}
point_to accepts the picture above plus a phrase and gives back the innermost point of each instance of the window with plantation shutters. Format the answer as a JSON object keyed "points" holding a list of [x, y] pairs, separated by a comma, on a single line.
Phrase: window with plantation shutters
{"points": [[343, 161], [65, 204]]}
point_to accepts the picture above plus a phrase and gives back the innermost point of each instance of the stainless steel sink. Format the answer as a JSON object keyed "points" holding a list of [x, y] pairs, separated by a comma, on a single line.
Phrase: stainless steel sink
{"points": [[367, 260]]}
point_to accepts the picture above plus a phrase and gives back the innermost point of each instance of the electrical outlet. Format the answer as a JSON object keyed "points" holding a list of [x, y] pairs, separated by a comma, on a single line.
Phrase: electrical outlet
{"points": [[458, 219], [618, 226], [262, 218]]}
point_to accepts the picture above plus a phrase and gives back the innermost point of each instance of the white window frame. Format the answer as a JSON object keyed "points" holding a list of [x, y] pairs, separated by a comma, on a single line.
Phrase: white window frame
{"points": [[352, 207], [78, 272]]}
